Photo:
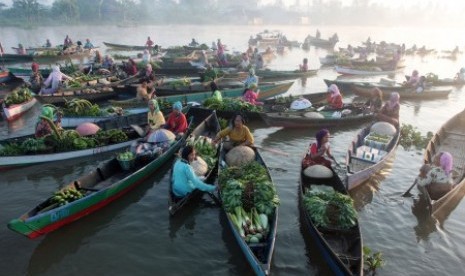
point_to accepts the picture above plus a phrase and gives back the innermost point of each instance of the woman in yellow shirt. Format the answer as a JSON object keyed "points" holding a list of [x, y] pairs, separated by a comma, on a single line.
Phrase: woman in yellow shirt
{"points": [[239, 134], [155, 118]]}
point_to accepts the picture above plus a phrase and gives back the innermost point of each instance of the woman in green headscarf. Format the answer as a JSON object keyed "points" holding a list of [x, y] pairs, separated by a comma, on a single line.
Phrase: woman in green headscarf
{"points": [[155, 117], [43, 128]]}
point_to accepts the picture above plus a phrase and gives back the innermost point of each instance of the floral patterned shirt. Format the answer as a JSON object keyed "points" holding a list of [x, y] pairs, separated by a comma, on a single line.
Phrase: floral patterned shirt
{"points": [[435, 175]]}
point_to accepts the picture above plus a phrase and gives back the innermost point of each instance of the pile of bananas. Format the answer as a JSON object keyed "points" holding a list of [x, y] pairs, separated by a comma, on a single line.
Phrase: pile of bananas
{"points": [[81, 107], [66, 196]]}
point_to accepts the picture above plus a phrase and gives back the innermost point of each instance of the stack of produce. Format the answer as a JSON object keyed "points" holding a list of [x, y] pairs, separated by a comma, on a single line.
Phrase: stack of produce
{"points": [[84, 108], [18, 96], [230, 104], [66, 196], [330, 209], [206, 150], [249, 198]]}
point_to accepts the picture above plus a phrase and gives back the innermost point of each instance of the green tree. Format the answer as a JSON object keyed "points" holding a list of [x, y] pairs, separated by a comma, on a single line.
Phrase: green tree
{"points": [[26, 9], [66, 11]]}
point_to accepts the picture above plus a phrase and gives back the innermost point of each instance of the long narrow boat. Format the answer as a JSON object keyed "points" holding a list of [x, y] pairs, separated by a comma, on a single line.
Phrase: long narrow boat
{"points": [[444, 82], [208, 128], [5, 76], [364, 90], [125, 47], [132, 115], [450, 138], [105, 184], [13, 58], [273, 75], [13, 112], [341, 249], [354, 71], [320, 42], [298, 119], [25, 73], [258, 255], [266, 91], [365, 158]]}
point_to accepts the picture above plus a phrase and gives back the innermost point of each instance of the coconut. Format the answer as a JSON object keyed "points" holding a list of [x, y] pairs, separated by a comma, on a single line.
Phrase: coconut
{"points": [[383, 128], [300, 104], [200, 166], [240, 155], [318, 171], [314, 115], [85, 129]]}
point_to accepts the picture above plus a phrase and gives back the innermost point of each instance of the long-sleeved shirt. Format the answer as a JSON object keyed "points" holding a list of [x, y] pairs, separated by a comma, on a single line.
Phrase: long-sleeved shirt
{"points": [[435, 175], [335, 102], [155, 119], [185, 180], [237, 135], [177, 123]]}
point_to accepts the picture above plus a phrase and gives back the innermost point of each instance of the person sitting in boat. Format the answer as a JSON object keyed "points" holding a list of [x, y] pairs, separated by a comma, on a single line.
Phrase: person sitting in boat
{"points": [[304, 66], [437, 178], [194, 43], [221, 55], [21, 49], [421, 85], [155, 118], [146, 57], [259, 63], [48, 44], [149, 43], [318, 34], [334, 38], [245, 62], [149, 76], [375, 103], [390, 111], [131, 67], [184, 178], [43, 127], [317, 151], [98, 57], [53, 82], [251, 78], [143, 92], [35, 79], [251, 96], [238, 133], [413, 80], [334, 98], [108, 62], [177, 122], [88, 44], [461, 75], [67, 42], [216, 93]]}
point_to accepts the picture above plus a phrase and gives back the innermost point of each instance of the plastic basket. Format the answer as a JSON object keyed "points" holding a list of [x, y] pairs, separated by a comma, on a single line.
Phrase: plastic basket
{"points": [[126, 164]]}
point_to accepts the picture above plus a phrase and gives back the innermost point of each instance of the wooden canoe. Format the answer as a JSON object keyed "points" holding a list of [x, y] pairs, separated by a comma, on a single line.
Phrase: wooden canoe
{"points": [[25, 73], [125, 47], [298, 119], [13, 112], [258, 255], [341, 249], [272, 75], [135, 116], [266, 91], [444, 82], [450, 138], [11, 162], [354, 71], [5, 76], [359, 166], [320, 42], [364, 90], [105, 184], [208, 128]]}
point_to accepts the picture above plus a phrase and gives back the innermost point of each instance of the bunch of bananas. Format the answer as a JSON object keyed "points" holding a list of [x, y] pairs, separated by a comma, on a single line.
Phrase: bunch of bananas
{"points": [[81, 107]]}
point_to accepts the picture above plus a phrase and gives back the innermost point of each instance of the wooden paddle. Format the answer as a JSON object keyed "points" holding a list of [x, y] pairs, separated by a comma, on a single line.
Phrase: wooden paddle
{"points": [[407, 193], [335, 161], [272, 150], [139, 130]]}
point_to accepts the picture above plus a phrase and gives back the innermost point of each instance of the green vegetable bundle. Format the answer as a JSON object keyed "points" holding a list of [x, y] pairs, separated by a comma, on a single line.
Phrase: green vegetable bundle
{"points": [[18, 96], [205, 149], [231, 104]]}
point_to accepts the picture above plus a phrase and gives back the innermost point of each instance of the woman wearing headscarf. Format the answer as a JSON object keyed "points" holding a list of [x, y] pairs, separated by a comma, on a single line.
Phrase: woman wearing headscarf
{"points": [[52, 83], [216, 93], [375, 103], [184, 178], [43, 127], [437, 178], [35, 79], [390, 111], [334, 98], [251, 96], [251, 78], [238, 133], [177, 122], [413, 80], [316, 151], [155, 118], [146, 57], [131, 67]]}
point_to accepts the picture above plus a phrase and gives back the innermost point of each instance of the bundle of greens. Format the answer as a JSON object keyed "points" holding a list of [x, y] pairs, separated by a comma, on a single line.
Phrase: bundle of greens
{"points": [[231, 104]]}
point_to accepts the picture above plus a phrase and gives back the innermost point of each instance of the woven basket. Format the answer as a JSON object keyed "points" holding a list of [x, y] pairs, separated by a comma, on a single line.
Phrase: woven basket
{"points": [[126, 164]]}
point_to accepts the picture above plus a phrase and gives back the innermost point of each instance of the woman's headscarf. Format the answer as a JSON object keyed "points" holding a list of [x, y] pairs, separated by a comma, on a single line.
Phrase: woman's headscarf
{"points": [[35, 67], [393, 100], [177, 106], [154, 102], [320, 135], [334, 90], [251, 72], [415, 73], [47, 112], [56, 73], [446, 162]]}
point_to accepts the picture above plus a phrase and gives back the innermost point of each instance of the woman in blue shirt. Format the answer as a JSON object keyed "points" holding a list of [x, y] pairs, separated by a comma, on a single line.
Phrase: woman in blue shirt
{"points": [[184, 178]]}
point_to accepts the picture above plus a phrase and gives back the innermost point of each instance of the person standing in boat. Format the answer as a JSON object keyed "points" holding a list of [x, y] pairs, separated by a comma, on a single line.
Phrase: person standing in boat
{"points": [[318, 34], [334, 98], [437, 178], [317, 151], [304, 66], [177, 122], [461, 75], [53, 82], [48, 44], [149, 43], [193, 43], [375, 103], [155, 118], [35, 79], [390, 111], [216, 93], [238, 133], [67, 42], [220, 52], [184, 178], [251, 78]]}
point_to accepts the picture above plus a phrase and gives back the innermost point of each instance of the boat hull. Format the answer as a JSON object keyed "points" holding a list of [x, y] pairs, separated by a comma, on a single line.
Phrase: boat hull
{"points": [[405, 93], [13, 112]]}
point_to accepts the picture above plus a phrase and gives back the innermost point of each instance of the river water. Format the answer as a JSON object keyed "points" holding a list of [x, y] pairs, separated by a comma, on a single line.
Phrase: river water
{"points": [[136, 236]]}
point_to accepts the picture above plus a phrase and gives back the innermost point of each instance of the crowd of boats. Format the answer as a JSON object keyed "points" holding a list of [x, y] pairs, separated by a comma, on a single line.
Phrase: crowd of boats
{"points": [[184, 76]]}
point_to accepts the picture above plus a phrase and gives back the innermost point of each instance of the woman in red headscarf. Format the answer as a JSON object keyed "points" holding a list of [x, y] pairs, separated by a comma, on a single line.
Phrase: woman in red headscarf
{"points": [[390, 111], [35, 79]]}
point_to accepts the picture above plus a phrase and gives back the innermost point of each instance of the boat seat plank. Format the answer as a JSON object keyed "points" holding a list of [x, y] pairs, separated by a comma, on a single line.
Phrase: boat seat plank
{"points": [[107, 182]]}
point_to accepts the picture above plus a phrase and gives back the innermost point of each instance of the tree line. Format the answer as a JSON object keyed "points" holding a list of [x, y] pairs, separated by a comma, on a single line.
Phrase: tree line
{"points": [[156, 12]]}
